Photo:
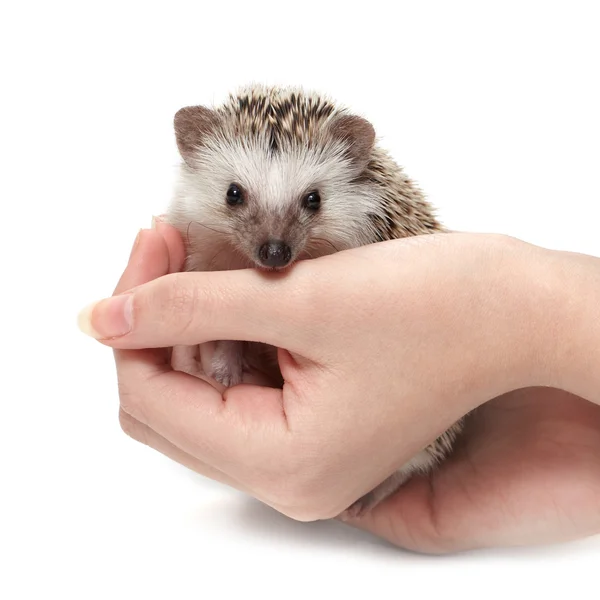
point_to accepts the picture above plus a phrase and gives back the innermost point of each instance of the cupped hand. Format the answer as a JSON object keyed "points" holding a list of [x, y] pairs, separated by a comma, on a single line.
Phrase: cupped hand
{"points": [[369, 378]]}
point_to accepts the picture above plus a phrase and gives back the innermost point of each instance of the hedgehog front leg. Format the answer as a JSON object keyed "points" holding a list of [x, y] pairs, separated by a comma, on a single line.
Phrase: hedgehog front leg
{"points": [[227, 363]]}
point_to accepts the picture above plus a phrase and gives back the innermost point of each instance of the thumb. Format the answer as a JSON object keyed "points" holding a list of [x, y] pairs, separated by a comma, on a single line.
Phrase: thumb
{"points": [[193, 308]]}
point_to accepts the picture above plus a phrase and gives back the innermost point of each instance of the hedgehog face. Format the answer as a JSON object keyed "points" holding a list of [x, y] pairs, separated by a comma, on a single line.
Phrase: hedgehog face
{"points": [[274, 183], [277, 207], [270, 230]]}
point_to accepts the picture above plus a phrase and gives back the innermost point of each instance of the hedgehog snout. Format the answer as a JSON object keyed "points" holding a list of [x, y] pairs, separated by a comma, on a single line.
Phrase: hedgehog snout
{"points": [[275, 253]]}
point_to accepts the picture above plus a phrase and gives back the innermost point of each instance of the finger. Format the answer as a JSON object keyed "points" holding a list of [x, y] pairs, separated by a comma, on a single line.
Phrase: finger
{"points": [[191, 308], [143, 434], [174, 244], [228, 431], [149, 259]]}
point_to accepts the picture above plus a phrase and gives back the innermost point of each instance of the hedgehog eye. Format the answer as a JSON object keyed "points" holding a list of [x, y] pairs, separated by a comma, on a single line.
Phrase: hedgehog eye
{"points": [[312, 201], [234, 195]]}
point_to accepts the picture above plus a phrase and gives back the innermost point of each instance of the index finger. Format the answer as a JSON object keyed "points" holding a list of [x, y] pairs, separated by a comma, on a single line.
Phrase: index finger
{"points": [[163, 253]]}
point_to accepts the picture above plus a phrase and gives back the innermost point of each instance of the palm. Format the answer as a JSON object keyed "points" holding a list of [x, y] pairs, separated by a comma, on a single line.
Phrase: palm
{"points": [[527, 471]]}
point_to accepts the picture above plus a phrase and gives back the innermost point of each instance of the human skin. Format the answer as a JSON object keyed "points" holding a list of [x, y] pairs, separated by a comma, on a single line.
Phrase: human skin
{"points": [[383, 347]]}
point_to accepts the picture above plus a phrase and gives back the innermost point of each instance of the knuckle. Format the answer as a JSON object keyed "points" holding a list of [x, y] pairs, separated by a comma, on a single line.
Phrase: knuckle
{"points": [[306, 506], [130, 403], [309, 512], [180, 303]]}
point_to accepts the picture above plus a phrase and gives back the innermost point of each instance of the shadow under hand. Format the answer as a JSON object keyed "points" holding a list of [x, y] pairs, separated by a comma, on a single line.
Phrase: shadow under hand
{"points": [[256, 521]]}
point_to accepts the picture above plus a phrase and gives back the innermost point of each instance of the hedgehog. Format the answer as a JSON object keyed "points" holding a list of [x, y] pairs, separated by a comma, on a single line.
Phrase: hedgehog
{"points": [[280, 174]]}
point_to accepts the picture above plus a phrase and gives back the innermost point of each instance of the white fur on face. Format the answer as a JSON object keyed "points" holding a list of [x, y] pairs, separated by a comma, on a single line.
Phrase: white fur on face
{"points": [[275, 185]]}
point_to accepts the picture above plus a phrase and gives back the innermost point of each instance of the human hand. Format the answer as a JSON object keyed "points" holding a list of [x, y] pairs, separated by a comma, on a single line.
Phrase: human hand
{"points": [[526, 471], [300, 449]]}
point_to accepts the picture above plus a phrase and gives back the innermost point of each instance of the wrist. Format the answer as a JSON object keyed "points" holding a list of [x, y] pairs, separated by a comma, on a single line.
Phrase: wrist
{"points": [[572, 334], [512, 326]]}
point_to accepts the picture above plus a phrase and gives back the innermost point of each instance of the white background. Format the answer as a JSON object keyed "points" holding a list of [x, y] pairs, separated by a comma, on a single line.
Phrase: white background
{"points": [[493, 107]]}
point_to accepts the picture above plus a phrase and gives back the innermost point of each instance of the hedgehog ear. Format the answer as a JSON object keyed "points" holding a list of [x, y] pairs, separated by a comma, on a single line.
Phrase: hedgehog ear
{"points": [[192, 125], [360, 136]]}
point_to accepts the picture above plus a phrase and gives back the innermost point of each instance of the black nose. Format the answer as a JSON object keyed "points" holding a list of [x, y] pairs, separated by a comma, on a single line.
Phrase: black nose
{"points": [[275, 254]]}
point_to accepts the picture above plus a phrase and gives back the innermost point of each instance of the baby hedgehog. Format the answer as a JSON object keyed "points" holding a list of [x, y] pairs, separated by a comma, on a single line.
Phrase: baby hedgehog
{"points": [[276, 175]]}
